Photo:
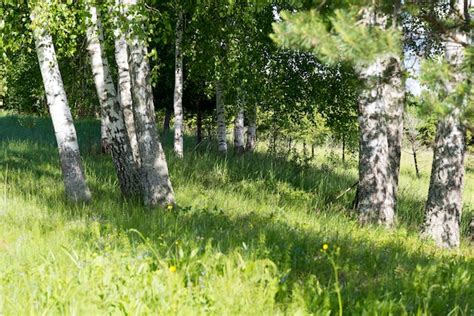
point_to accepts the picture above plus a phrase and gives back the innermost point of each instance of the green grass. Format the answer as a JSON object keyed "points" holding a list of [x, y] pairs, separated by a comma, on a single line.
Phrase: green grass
{"points": [[245, 238]]}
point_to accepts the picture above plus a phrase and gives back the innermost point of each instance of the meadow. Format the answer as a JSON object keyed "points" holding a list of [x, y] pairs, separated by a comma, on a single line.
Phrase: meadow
{"points": [[257, 234]]}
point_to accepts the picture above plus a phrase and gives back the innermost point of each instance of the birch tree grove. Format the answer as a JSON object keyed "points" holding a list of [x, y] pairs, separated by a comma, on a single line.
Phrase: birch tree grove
{"points": [[155, 182], [119, 144], [178, 89], [73, 175]]}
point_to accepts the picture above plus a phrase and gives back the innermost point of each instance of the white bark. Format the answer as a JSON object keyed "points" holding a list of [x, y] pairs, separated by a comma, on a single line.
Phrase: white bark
{"points": [[444, 205], [394, 97], [156, 184], [239, 132], [221, 125], [374, 200], [125, 84], [104, 136], [118, 144], [379, 125], [251, 131], [74, 180], [178, 90]]}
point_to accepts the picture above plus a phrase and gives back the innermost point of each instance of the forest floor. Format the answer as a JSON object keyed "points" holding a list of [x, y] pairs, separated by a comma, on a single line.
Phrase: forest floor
{"points": [[245, 238]]}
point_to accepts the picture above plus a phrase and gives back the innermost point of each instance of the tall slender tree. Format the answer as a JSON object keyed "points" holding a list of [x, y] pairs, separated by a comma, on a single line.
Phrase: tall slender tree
{"points": [[239, 143], [178, 87], [73, 175], [450, 82], [118, 143], [124, 79], [221, 122], [155, 181]]}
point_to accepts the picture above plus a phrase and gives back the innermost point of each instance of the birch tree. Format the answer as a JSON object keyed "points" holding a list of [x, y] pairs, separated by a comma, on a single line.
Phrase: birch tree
{"points": [[364, 38], [449, 83], [251, 131], [118, 144], [239, 132], [124, 80], [221, 124], [178, 89], [155, 182], [72, 170]]}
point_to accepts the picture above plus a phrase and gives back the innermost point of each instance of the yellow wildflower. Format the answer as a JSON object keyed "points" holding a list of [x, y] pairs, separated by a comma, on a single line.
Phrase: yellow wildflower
{"points": [[169, 207], [173, 269], [325, 247]]}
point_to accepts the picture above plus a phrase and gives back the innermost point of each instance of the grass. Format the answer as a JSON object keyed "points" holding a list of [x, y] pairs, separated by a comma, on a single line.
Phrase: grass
{"points": [[246, 238]]}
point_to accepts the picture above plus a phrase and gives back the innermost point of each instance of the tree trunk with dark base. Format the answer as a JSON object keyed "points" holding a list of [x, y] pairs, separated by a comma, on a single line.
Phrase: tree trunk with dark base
{"points": [[155, 182], [72, 171], [118, 142]]}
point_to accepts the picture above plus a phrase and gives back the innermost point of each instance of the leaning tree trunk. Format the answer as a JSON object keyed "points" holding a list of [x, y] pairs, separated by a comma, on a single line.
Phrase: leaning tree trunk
{"points": [[374, 202], [119, 144], [155, 181], [73, 175], [394, 98], [239, 132], [251, 131], [221, 126], [125, 84], [178, 90], [444, 205]]}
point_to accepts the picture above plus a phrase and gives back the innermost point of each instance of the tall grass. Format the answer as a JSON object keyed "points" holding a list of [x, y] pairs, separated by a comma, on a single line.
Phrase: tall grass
{"points": [[245, 238]]}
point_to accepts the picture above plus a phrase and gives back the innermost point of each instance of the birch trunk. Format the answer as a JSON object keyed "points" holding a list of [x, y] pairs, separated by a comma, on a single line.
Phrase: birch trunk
{"points": [[221, 126], [444, 205], [375, 199], [178, 90], [104, 137], [375, 186], [394, 98], [73, 175], [156, 185], [251, 131], [125, 85], [239, 132], [118, 142]]}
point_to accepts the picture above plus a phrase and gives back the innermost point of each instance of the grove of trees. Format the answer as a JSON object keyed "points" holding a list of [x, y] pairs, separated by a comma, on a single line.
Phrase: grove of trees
{"points": [[277, 72]]}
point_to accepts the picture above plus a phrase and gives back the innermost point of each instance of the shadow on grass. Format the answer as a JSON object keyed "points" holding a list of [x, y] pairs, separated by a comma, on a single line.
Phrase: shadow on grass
{"points": [[368, 269]]}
